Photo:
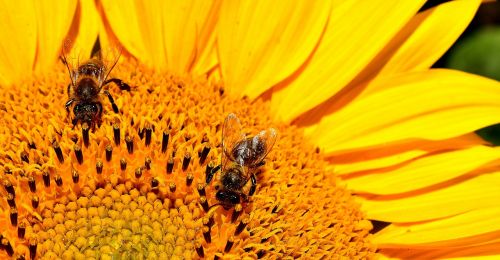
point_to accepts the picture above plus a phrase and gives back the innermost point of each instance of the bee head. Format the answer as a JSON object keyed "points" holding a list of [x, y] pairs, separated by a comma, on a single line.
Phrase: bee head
{"points": [[227, 198], [86, 112]]}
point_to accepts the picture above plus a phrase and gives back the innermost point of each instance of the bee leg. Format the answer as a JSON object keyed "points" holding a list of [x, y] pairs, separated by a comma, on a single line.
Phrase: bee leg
{"points": [[115, 107], [254, 185], [68, 104], [244, 197], [74, 122], [262, 163], [122, 85], [210, 175]]}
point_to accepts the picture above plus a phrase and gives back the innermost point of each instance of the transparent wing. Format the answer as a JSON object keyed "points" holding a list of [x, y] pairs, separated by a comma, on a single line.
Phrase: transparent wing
{"points": [[262, 144], [71, 56], [109, 57], [231, 135]]}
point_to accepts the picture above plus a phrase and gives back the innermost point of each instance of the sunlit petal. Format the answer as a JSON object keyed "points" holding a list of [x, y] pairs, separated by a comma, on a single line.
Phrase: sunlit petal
{"points": [[367, 159], [489, 250], [476, 193], [18, 30], [426, 171], [342, 52], [409, 50], [54, 19], [150, 30], [461, 230], [88, 28], [263, 42], [418, 52], [434, 105]]}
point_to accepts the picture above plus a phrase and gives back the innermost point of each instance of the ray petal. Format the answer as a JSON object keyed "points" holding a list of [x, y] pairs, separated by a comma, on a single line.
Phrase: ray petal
{"points": [[52, 30], [418, 52], [426, 171], [262, 42], [409, 50], [464, 229], [433, 105], [364, 160], [356, 32], [127, 22], [489, 250], [87, 31], [479, 192], [151, 31], [18, 30]]}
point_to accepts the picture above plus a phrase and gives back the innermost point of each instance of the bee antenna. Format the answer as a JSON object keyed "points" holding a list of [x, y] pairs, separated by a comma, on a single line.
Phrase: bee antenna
{"points": [[65, 48]]}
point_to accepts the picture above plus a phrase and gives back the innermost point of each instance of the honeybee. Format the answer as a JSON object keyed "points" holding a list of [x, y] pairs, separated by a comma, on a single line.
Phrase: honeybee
{"points": [[87, 80], [241, 158]]}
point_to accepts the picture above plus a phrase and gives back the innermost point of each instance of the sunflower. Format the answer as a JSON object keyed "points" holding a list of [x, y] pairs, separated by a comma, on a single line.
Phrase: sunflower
{"points": [[376, 154]]}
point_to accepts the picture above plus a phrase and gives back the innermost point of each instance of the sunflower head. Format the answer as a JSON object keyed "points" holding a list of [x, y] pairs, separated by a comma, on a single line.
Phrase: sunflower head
{"points": [[162, 174]]}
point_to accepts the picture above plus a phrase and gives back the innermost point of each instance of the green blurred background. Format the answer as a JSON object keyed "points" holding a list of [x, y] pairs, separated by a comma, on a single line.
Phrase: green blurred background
{"points": [[477, 51]]}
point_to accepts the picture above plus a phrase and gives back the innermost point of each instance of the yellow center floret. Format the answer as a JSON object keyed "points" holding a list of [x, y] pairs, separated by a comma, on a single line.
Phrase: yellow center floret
{"points": [[135, 186]]}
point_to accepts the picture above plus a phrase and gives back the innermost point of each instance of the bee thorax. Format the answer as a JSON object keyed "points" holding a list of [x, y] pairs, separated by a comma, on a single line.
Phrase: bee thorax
{"points": [[87, 89], [233, 179]]}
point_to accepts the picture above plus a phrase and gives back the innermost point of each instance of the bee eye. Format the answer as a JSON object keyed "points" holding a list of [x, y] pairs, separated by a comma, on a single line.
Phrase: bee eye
{"points": [[94, 108], [77, 108], [217, 187]]}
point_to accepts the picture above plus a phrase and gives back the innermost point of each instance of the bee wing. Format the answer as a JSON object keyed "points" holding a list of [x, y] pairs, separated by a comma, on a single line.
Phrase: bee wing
{"points": [[109, 58], [71, 57], [231, 134], [268, 138]]}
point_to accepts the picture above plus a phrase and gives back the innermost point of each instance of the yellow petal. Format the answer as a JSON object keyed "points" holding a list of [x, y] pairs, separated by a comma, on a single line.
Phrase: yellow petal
{"points": [[18, 31], [208, 59], [166, 35], [409, 50], [425, 171], [479, 192], [54, 19], [364, 160], [434, 105], [490, 250], [206, 51], [137, 30], [85, 35], [356, 32], [263, 42], [477, 226], [441, 25]]}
